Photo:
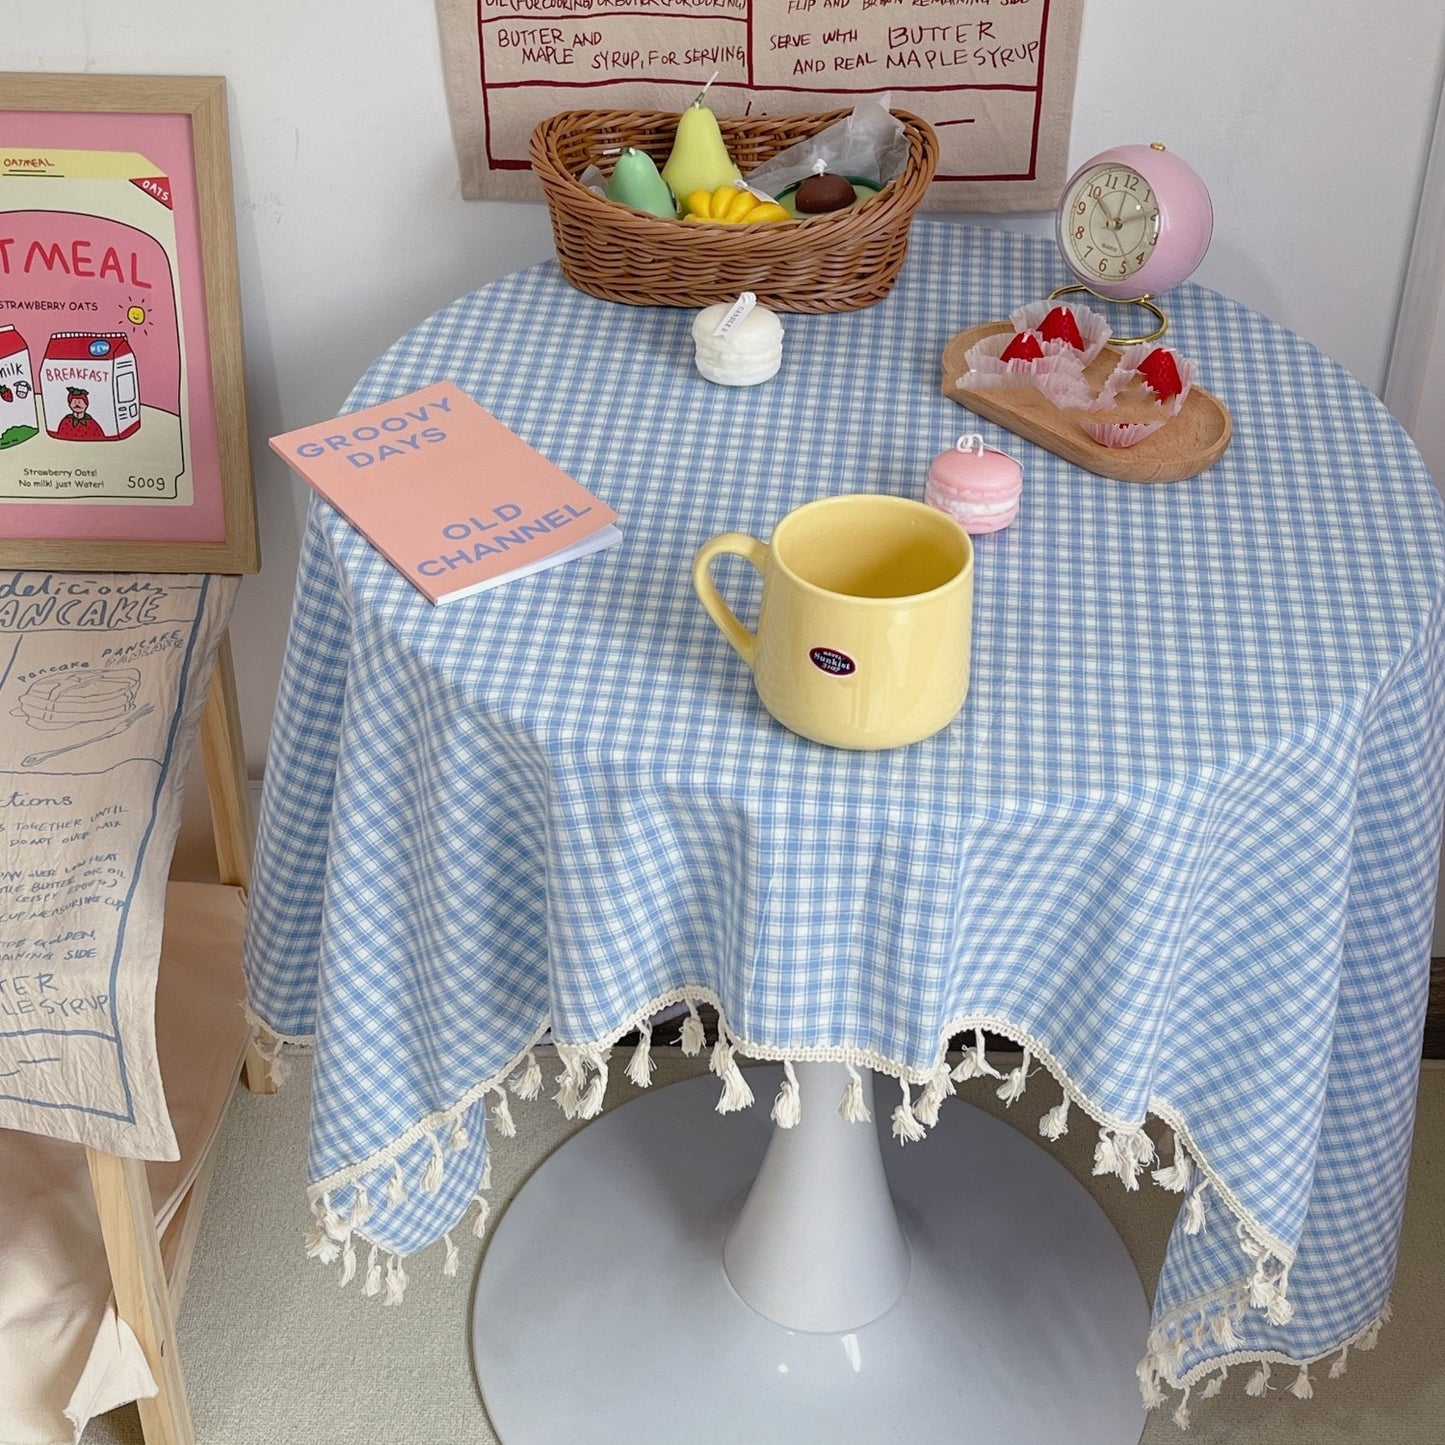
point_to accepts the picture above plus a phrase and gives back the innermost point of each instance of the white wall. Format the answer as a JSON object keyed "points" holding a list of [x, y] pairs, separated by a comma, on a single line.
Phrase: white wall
{"points": [[1309, 122]]}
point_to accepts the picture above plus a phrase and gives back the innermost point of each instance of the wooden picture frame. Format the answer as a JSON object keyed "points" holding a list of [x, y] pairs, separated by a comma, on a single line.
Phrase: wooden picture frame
{"points": [[145, 266]]}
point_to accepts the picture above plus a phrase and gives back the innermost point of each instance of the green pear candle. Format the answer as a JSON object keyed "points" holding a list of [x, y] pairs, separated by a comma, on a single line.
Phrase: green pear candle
{"points": [[635, 182]]}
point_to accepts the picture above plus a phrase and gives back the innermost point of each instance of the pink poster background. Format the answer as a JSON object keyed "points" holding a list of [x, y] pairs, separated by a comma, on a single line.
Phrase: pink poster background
{"points": [[165, 140]]}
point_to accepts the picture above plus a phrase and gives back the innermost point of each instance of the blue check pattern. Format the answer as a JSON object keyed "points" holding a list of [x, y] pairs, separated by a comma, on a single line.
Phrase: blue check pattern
{"points": [[1182, 839]]}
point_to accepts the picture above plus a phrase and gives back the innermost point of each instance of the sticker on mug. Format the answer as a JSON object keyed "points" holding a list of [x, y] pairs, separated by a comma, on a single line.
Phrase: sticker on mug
{"points": [[831, 661]]}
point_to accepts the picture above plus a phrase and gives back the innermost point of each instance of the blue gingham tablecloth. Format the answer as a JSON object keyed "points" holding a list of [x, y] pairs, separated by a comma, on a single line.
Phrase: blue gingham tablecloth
{"points": [[1181, 843]]}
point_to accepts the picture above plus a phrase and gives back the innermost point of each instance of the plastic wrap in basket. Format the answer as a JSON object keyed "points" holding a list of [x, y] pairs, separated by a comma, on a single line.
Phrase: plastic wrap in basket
{"points": [[838, 261]]}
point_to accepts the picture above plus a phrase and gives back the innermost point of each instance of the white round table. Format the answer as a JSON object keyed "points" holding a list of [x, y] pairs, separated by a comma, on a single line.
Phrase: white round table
{"points": [[671, 1272]]}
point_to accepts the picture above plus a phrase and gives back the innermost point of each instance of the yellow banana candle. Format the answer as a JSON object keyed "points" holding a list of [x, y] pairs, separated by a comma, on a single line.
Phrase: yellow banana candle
{"points": [[733, 206]]}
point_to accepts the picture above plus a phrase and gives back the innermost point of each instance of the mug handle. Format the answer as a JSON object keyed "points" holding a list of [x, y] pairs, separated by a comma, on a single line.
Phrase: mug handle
{"points": [[739, 544]]}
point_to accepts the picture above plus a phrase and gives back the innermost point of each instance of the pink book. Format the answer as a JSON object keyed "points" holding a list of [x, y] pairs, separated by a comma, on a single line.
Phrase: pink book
{"points": [[446, 493]]}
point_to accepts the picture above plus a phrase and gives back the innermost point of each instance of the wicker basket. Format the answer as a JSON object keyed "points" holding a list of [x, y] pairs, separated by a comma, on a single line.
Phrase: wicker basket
{"points": [[835, 262]]}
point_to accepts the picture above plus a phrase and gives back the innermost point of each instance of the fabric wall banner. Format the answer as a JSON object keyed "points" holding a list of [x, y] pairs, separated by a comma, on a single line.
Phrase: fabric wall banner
{"points": [[995, 78], [102, 681]]}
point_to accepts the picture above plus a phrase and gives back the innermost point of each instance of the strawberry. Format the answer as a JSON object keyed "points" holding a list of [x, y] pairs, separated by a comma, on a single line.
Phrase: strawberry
{"points": [[1161, 374], [1059, 325], [1023, 347], [6, 394]]}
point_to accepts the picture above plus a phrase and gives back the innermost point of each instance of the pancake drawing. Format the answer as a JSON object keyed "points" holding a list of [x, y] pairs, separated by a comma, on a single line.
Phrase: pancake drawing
{"points": [[76, 698]]}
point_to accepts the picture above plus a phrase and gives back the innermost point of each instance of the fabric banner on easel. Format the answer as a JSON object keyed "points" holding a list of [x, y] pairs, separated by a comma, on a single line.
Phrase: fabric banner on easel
{"points": [[102, 682], [995, 78]]}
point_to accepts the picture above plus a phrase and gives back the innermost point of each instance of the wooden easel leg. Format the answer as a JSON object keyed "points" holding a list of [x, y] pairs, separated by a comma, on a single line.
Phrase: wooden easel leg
{"points": [[128, 1226], [229, 791], [226, 780], [257, 1072]]}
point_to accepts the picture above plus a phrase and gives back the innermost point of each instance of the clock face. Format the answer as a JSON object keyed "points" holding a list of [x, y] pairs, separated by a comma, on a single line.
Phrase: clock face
{"points": [[1109, 225]]}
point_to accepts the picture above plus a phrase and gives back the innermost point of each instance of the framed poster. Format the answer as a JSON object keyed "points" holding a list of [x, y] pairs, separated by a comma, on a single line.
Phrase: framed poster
{"points": [[123, 441]]}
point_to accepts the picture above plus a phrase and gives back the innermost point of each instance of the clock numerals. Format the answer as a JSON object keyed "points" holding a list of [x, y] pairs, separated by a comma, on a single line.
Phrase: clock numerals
{"points": [[1113, 222]]}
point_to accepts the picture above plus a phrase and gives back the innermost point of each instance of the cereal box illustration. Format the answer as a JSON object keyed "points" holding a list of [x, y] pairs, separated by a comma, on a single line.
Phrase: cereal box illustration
{"points": [[88, 387], [19, 418], [90, 310]]}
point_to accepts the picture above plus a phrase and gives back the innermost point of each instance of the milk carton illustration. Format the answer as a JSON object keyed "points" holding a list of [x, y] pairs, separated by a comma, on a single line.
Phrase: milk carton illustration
{"points": [[88, 387], [19, 420]]}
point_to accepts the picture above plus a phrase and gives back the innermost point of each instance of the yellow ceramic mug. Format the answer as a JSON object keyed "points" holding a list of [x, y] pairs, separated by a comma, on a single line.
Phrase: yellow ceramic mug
{"points": [[866, 619]]}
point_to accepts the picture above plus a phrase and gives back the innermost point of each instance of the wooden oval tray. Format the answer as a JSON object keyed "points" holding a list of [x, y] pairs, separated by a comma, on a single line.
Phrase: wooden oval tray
{"points": [[1193, 440]]}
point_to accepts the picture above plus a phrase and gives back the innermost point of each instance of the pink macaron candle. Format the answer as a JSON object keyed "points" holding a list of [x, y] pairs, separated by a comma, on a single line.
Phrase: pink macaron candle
{"points": [[977, 485]]}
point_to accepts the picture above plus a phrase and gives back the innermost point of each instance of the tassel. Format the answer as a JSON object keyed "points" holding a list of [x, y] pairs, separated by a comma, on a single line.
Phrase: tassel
{"points": [[1341, 1363], [486, 1172], [851, 1107], [569, 1082], [1263, 1291], [320, 1245], [1106, 1153], [1134, 1150], [453, 1258], [906, 1128], [1180, 1174], [1225, 1335], [1259, 1381], [479, 1224], [693, 1035], [935, 1091], [973, 1064], [1370, 1338], [530, 1084], [395, 1281], [1149, 1389], [1216, 1384], [1055, 1124], [735, 1094], [396, 1188], [431, 1181], [641, 1065], [1013, 1087], [348, 1265], [591, 1103], [360, 1206], [1303, 1388], [373, 1275], [331, 1218], [788, 1106], [459, 1137], [1173, 1355], [502, 1114], [1194, 1209], [1181, 1415]]}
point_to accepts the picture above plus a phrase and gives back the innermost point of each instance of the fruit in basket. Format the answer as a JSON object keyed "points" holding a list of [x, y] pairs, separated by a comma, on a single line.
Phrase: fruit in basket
{"points": [[734, 206], [635, 182], [699, 160], [824, 191]]}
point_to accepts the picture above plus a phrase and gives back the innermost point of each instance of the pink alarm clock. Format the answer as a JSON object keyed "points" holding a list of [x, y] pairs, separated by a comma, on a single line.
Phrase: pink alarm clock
{"points": [[1133, 222], [977, 485]]}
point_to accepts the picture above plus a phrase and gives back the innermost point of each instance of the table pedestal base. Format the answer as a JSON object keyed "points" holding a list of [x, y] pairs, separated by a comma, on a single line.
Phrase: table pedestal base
{"points": [[604, 1312]]}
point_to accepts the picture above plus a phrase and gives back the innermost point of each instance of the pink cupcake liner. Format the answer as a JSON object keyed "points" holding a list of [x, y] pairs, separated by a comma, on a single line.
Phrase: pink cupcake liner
{"points": [[1094, 330]]}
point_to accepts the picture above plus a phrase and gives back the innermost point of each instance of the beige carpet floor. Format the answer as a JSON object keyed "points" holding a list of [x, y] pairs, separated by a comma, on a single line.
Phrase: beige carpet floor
{"points": [[275, 1354]]}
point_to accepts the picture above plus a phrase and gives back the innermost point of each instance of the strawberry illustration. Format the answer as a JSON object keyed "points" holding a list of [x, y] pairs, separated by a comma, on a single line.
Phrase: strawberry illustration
{"points": [[1059, 325], [1161, 374], [5, 393], [1023, 347]]}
